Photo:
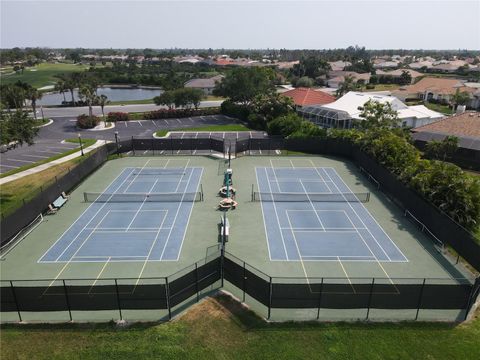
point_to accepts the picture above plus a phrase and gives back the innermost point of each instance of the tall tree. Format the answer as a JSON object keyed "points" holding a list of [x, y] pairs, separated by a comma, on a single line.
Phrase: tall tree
{"points": [[442, 150], [33, 95], [378, 115], [87, 93], [243, 84], [460, 98], [17, 126], [102, 100], [348, 84]]}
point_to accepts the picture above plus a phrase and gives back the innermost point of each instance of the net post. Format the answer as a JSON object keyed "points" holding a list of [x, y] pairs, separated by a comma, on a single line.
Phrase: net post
{"points": [[253, 199], [67, 300], [244, 281], [16, 301], [420, 299], [320, 299], [270, 298], [118, 300], [84, 197], [201, 192], [167, 294], [196, 282], [370, 298]]}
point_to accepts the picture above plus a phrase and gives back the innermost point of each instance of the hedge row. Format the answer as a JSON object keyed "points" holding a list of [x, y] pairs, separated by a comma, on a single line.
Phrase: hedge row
{"points": [[87, 122], [164, 114]]}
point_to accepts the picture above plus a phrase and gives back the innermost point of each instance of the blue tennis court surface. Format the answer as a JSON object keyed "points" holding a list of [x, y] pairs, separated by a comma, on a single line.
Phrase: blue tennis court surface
{"points": [[319, 230], [124, 225]]}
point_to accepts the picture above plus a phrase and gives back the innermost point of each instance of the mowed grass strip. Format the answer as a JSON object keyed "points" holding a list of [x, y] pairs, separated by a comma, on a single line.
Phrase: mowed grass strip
{"points": [[14, 193], [220, 328], [208, 128]]}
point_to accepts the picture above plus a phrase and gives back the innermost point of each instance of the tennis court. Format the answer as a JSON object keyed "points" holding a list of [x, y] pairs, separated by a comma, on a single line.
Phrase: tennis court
{"points": [[141, 216], [311, 214]]}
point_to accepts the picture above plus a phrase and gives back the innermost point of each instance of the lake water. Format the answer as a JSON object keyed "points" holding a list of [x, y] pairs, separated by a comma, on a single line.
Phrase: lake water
{"points": [[113, 94]]}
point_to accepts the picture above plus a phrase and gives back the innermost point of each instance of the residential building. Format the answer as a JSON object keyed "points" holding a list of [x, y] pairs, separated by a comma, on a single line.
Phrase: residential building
{"points": [[439, 90], [337, 77], [398, 73], [464, 126], [345, 112], [306, 96], [206, 85]]}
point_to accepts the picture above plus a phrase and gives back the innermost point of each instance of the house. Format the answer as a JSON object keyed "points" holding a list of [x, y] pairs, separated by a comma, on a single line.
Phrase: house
{"points": [[344, 112], [398, 73], [439, 90], [339, 65], [305, 96], [337, 77], [206, 85], [385, 64], [464, 126]]}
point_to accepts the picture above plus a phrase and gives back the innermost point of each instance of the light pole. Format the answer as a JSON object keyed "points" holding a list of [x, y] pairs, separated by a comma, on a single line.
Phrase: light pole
{"points": [[41, 109], [116, 141], [80, 141]]}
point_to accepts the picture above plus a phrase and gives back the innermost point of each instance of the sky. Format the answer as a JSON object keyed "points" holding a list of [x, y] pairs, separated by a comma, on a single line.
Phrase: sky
{"points": [[241, 24]]}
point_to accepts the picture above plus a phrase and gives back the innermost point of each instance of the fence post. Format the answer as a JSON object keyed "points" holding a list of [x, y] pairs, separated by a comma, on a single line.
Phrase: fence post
{"points": [[420, 299], [16, 301], [196, 282], [67, 300], [370, 297], [171, 143], [133, 147], [118, 300], [152, 147], [244, 281], [270, 299], [471, 297], [167, 294], [320, 299]]}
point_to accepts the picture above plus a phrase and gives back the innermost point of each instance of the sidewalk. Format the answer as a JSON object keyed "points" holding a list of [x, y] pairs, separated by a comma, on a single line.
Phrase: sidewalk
{"points": [[42, 167]]}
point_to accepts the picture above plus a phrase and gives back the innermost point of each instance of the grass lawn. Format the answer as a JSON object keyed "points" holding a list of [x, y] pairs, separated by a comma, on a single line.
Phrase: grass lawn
{"points": [[383, 87], [44, 74], [218, 328], [211, 128], [444, 109], [14, 192], [131, 102], [85, 142]]}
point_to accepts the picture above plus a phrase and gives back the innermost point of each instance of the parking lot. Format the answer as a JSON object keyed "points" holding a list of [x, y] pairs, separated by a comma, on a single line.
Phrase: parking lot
{"points": [[49, 141]]}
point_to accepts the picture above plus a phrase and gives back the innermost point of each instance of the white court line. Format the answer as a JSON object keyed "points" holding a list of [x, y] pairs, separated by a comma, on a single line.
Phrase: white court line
{"points": [[136, 176], [276, 213], [361, 236], [140, 207], [346, 274], [359, 218], [83, 213], [264, 223], [99, 274], [178, 210], [36, 156], [311, 204]]}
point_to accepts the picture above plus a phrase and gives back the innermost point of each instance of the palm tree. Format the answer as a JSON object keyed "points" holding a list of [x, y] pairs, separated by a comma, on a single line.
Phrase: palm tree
{"points": [[87, 92], [61, 88], [460, 98], [102, 100], [33, 95], [348, 84]]}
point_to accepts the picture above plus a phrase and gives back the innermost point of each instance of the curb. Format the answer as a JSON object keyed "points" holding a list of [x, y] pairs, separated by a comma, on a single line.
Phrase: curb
{"points": [[104, 128], [50, 122]]}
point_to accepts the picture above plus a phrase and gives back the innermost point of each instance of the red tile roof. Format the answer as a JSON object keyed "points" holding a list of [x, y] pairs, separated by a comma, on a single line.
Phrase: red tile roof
{"points": [[306, 96], [465, 124]]}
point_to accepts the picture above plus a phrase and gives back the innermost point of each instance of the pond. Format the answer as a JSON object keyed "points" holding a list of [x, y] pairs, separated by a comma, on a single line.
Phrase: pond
{"points": [[113, 94]]}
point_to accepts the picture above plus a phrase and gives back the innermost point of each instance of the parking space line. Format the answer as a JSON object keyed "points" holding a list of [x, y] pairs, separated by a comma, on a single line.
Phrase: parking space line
{"points": [[8, 166], [49, 151], [154, 123], [125, 122], [37, 156], [27, 161], [179, 121], [167, 122], [138, 121]]}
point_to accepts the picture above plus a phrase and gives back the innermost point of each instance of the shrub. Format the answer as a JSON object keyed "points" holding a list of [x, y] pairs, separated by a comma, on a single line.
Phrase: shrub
{"points": [[370, 86], [87, 122], [179, 113], [117, 116], [232, 109]]}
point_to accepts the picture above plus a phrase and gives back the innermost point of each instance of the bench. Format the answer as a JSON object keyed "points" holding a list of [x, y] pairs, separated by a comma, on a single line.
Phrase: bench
{"points": [[59, 202]]}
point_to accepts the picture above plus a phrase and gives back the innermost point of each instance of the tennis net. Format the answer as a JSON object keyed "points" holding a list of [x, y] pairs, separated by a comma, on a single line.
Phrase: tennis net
{"points": [[312, 197], [159, 171], [142, 197]]}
